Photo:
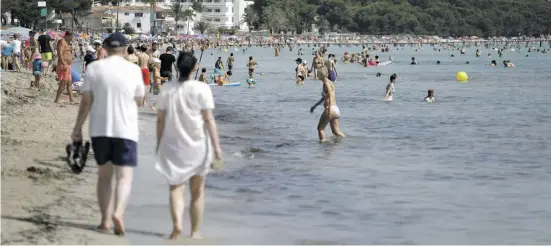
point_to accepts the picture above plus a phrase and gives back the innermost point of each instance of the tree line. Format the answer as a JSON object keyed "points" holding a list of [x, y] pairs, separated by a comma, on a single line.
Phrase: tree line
{"points": [[483, 18]]}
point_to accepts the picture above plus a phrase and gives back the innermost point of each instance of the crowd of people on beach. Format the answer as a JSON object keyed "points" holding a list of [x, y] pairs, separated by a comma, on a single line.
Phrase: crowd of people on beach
{"points": [[118, 75]]}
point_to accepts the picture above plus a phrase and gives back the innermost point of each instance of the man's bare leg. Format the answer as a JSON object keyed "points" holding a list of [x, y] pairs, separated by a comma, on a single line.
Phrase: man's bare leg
{"points": [[144, 96], [104, 194], [60, 88], [176, 200], [123, 177], [196, 208], [69, 86]]}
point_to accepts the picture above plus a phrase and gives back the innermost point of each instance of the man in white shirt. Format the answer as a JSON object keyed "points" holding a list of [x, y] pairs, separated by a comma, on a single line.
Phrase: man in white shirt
{"points": [[112, 92], [16, 52]]}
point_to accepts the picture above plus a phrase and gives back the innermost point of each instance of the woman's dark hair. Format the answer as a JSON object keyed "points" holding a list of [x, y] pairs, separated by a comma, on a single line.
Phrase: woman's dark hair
{"points": [[204, 70], [130, 50], [186, 63], [229, 73]]}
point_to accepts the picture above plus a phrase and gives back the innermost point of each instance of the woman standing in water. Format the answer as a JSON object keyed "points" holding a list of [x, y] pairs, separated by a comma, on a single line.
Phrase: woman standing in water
{"points": [[187, 149], [390, 88], [331, 114], [430, 96]]}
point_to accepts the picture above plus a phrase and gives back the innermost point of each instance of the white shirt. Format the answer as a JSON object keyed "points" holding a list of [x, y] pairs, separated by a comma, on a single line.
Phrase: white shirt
{"points": [[3, 44], [115, 84], [185, 149], [16, 46]]}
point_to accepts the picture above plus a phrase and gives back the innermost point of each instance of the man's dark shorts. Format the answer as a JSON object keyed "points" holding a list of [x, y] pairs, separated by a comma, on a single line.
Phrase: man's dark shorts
{"points": [[120, 152]]}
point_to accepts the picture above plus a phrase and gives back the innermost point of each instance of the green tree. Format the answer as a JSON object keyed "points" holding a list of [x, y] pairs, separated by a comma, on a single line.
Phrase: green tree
{"points": [[202, 26], [188, 15], [250, 17], [197, 6], [275, 18], [128, 29], [176, 10]]}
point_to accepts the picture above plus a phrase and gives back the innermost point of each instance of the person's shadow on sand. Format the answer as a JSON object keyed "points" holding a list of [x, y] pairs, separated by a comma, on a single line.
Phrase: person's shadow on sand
{"points": [[51, 225]]}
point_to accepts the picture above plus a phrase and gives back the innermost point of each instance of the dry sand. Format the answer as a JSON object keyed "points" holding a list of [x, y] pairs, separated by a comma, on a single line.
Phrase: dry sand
{"points": [[43, 202]]}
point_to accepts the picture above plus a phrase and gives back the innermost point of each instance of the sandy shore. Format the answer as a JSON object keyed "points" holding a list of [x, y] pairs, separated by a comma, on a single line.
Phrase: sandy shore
{"points": [[42, 201]]}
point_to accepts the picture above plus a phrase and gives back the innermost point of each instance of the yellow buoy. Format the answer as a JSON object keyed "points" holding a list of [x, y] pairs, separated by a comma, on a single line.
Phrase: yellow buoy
{"points": [[462, 77]]}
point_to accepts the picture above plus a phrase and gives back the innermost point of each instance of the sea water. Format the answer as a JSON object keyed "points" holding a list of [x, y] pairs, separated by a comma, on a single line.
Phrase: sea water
{"points": [[471, 168]]}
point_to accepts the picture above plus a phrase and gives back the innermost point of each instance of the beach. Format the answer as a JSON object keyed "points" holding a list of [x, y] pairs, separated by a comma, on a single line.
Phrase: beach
{"points": [[43, 201], [468, 169]]}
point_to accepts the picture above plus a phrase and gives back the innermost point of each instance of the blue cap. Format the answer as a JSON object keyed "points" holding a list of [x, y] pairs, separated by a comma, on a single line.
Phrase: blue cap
{"points": [[115, 40]]}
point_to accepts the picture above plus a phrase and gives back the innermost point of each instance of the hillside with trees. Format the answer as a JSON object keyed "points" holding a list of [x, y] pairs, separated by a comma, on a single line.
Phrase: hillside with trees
{"points": [[481, 18]]}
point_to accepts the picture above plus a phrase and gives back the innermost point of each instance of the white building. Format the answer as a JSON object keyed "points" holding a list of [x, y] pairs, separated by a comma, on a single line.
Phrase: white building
{"points": [[219, 13], [139, 17], [239, 11]]}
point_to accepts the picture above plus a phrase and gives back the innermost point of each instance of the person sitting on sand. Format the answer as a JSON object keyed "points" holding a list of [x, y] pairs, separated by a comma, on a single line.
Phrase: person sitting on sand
{"points": [[430, 96], [187, 143]]}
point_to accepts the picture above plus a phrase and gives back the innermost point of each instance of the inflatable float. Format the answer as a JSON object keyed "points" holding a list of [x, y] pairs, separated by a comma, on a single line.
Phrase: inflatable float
{"points": [[230, 84]]}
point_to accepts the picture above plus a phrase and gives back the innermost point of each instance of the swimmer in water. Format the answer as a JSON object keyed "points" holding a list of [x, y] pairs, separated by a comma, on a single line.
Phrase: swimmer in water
{"points": [[317, 63], [413, 61], [331, 114], [493, 63], [510, 64], [437, 62], [430, 96], [390, 88], [251, 64], [346, 58], [331, 67], [299, 71]]}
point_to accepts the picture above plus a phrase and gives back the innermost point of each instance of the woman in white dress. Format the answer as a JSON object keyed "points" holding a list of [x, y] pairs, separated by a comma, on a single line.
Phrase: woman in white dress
{"points": [[187, 141]]}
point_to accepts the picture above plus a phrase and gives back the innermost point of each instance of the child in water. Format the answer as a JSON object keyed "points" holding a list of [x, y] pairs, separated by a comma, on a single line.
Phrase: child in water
{"points": [[224, 79], [430, 96], [203, 76]]}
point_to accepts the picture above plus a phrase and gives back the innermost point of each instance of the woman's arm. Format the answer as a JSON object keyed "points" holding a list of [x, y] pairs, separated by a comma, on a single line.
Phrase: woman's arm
{"points": [[161, 116], [210, 123]]}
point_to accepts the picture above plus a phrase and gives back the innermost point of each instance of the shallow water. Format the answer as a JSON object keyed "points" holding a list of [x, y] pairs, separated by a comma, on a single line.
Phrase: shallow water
{"points": [[468, 169]]}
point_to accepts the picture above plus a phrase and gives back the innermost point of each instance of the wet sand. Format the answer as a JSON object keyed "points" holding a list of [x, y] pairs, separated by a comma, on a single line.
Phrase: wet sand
{"points": [[43, 202]]}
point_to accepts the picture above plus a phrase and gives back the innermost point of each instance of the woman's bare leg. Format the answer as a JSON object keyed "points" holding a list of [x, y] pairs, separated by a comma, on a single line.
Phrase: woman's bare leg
{"points": [[123, 176], [196, 208], [104, 194], [335, 128], [176, 199], [324, 120]]}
